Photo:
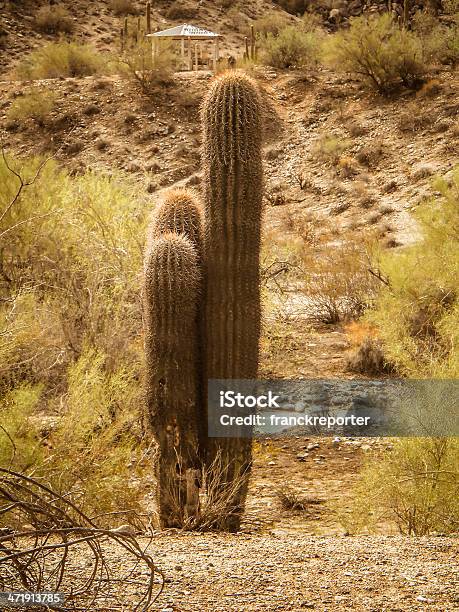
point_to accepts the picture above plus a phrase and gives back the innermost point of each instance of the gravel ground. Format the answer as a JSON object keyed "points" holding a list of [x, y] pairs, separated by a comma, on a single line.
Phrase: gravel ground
{"points": [[281, 571]]}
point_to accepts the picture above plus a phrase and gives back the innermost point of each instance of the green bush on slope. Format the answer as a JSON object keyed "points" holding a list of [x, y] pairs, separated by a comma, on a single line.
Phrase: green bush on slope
{"points": [[417, 315], [61, 59]]}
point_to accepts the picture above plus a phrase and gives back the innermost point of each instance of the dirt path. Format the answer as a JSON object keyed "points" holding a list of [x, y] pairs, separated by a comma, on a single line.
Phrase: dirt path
{"points": [[271, 572]]}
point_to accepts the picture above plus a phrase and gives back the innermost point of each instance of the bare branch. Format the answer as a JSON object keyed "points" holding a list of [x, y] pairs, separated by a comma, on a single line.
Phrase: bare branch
{"points": [[46, 555]]}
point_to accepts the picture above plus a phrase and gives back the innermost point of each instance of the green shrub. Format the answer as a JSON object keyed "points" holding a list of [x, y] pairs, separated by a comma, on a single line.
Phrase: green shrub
{"points": [[416, 315], [53, 20], [61, 59], [311, 22], [148, 71], [123, 7], [70, 321], [291, 48], [19, 442], [416, 485], [82, 287], [270, 24], [378, 52], [330, 147], [36, 104], [440, 42]]}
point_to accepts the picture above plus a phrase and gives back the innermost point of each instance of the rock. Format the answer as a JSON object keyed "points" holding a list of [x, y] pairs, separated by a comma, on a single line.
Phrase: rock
{"points": [[302, 456], [424, 599], [133, 166], [335, 15], [124, 530]]}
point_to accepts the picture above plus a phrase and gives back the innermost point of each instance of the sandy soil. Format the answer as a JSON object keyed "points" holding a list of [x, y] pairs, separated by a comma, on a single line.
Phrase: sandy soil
{"points": [[283, 571]]}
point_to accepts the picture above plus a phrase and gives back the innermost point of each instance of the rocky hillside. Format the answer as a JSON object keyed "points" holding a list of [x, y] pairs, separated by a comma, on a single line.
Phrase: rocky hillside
{"points": [[99, 24]]}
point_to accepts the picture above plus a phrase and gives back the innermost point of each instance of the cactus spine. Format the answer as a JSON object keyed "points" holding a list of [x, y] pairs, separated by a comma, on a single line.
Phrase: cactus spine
{"points": [[171, 293], [233, 186]]}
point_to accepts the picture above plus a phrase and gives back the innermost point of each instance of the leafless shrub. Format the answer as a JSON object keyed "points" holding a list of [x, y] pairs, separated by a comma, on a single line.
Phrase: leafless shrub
{"points": [[179, 10], [275, 196], [390, 186], [340, 208], [123, 7], [44, 539], [412, 119], [386, 209], [369, 358], [276, 199], [356, 129], [365, 197], [371, 154], [301, 179], [338, 283], [373, 218]]}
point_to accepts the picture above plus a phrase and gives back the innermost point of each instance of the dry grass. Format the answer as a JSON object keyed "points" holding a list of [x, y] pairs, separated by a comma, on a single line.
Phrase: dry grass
{"points": [[347, 166], [35, 104], [368, 358], [330, 147], [216, 502]]}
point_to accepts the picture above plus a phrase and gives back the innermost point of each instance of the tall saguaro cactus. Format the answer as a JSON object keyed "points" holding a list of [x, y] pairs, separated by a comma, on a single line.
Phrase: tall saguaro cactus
{"points": [[171, 293], [233, 183]]}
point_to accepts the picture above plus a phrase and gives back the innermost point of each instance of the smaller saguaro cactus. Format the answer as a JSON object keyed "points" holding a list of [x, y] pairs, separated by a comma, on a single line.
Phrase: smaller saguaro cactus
{"points": [[252, 42], [171, 294], [148, 16], [179, 212]]}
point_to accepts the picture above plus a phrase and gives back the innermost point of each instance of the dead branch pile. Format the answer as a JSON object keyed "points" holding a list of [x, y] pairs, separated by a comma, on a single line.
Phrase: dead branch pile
{"points": [[48, 545]]}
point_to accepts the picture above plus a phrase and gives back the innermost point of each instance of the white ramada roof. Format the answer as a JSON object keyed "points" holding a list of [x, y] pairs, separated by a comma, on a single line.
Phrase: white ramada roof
{"points": [[186, 31]]}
